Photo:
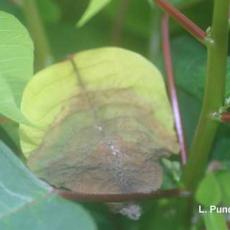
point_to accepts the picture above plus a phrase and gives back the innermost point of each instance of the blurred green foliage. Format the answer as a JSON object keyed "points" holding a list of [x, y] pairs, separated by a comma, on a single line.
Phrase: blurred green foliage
{"points": [[138, 29]]}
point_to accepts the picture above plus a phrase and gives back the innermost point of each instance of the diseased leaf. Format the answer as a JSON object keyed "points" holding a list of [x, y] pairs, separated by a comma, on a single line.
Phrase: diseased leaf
{"points": [[101, 122], [16, 65], [24, 198], [93, 8]]}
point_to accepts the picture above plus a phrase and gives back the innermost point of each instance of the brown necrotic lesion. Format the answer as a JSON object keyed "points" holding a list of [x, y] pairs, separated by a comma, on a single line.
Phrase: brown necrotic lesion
{"points": [[103, 142]]}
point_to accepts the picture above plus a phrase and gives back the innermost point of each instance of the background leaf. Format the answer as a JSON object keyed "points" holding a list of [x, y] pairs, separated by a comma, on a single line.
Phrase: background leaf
{"points": [[8, 105], [215, 221], [16, 64], [24, 198], [207, 196], [223, 178], [190, 70], [93, 8]]}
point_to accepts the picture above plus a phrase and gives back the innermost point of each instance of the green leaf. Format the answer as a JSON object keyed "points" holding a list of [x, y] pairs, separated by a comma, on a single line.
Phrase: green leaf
{"points": [[190, 113], [189, 59], [93, 8], [207, 196], [16, 65], [9, 135], [223, 180], [31, 204], [8, 105], [161, 215], [114, 89], [214, 221], [190, 63]]}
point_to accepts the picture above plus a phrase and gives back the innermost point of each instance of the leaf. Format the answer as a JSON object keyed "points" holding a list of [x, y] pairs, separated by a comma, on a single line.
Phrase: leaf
{"points": [[191, 69], [190, 113], [161, 215], [16, 62], [207, 196], [7, 104], [98, 106], [223, 178], [93, 8], [30, 203], [215, 221], [104, 68], [189, 59], [9, 135]]}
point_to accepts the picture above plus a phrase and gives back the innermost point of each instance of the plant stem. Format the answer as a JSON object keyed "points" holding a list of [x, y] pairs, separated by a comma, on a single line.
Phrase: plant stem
{"points": [[172, 88], [213, 98], [42, 51], [185, 22]]}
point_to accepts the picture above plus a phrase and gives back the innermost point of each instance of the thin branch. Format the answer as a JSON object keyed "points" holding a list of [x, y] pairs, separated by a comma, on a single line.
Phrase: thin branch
{"points": [[184, 21], [172, 88], [122, 197]]}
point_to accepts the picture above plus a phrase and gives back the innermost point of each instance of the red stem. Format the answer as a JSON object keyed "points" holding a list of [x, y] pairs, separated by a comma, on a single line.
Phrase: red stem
{"points": [[121, 197], [185, 22], [172, 88]]}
